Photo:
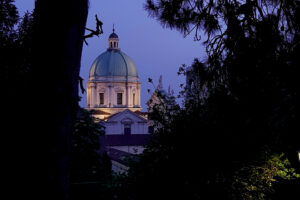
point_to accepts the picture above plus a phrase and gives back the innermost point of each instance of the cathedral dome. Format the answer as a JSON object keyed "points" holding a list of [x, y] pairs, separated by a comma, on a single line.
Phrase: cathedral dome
{"points": [[113, 84], [113, 62]]}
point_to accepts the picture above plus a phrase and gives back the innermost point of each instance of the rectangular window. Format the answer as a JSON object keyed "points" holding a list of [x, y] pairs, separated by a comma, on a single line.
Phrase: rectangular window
{"points": [[119, 98], [127, 129], [101, 98], [133, 99]]}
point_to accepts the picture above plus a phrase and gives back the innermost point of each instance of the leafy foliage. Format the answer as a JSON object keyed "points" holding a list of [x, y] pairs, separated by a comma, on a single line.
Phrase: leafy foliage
{"points": [[85, 158], [255, 182], [90, 169], [16, 48], [251, 62], [9, 17]]}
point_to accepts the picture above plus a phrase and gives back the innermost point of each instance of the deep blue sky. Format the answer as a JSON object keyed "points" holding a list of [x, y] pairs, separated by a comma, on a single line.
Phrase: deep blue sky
{"points": [[155, 50]]}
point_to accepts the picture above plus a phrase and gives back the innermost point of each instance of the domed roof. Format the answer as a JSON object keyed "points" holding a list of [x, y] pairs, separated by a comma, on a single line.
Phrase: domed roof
{"points": [[113, 63], [113, 35]]}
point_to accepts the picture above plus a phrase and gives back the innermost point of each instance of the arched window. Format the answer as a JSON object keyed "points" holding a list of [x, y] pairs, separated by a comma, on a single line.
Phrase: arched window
{"points": [[115, 45], [111, 45]]}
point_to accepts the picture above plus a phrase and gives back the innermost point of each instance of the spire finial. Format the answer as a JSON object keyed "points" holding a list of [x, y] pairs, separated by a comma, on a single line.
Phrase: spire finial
{"points": [[113, 28], [160, 85]]}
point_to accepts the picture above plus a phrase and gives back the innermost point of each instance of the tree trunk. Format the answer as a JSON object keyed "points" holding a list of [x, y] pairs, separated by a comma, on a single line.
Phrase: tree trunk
{"points": [[58, 39]]}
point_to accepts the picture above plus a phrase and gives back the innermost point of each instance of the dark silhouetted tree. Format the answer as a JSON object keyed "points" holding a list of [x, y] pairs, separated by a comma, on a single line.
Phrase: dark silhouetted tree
{"points": [[89, 169], [41, 88], [226, 144], [85, 156], [251, 59], [57, 45]]}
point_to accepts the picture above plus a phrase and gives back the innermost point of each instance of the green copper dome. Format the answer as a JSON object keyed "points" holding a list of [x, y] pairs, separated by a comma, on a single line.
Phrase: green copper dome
{"points": [[113, 62]]}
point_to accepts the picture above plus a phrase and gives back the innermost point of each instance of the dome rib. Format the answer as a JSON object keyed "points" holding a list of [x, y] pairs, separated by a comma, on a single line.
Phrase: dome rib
{"points": [[124, 62]]}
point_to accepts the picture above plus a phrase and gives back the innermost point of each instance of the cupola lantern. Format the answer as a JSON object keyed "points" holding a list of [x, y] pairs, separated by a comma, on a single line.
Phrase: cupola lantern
{"points": [[113, 40]]}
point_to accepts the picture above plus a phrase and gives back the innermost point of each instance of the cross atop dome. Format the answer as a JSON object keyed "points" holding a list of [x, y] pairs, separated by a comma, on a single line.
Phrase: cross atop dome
{"points": [[113, 35]]}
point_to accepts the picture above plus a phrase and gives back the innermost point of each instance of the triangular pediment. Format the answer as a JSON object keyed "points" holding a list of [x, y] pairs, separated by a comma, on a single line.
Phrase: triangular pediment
{"points": [[126, 115]]}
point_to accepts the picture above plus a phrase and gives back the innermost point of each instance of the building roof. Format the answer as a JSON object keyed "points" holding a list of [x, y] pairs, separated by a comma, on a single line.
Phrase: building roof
{"points": [[119, 156], [100, 112], [113, 62], [127, 111], [113, 35], [142, 114]]}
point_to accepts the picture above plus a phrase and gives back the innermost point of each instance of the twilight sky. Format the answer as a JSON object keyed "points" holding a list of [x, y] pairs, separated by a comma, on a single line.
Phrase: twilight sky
{"points": [[155, 50]]}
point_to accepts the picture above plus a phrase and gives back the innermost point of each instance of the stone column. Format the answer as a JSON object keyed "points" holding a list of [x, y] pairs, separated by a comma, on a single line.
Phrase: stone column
{"points": [[130, 104], [109, 96], [138, 95], [88, 96], [93, 95], [126, 88]]}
